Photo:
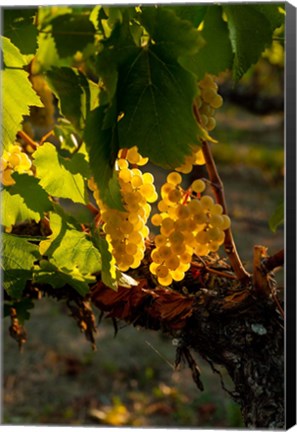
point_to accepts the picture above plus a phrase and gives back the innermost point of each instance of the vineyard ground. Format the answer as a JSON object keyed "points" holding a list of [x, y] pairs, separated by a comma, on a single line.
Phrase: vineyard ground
{"points": [[59, 380]]}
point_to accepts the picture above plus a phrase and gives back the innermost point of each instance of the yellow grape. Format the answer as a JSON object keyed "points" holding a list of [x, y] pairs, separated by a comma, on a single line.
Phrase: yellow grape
{"points": [[198, 186], [174, 178], [165, 281]]}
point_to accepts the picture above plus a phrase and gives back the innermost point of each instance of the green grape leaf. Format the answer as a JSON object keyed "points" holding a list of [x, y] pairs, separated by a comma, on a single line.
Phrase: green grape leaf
{"points": [[18, 26], [65, 177], [108, 271], [74, 92], [47, 54], [251, 32], [69, 248], [115, 51], [17, 92], [158, 95], [49, 273], [18, 257], [32, 193], [72, 33], [173, 36], [102, 148], [25, 200], [216, 55], [189, 12], [277, 218]]}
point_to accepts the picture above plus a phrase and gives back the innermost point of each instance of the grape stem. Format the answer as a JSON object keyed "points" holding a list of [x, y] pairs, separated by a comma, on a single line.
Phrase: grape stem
{"points": [[27, 139], [218, 189]]}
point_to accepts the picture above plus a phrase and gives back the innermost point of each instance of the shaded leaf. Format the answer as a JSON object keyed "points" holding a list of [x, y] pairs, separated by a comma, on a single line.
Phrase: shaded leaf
{"points": [[18, 256], [191, 12], [102, 147], [250, 33], [172, 35], [72, 33], [115, 51], [49, 273], [158, 95], [24, 201], [18, 26], [74, 92], [216, 55]]}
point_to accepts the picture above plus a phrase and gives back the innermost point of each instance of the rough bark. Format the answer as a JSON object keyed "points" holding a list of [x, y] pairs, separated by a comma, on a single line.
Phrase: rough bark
{"points": [[227, 324]]}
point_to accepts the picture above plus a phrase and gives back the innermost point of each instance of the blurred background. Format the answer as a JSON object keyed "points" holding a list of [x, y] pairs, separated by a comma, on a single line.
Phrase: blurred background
{"points": [[130, 379]]}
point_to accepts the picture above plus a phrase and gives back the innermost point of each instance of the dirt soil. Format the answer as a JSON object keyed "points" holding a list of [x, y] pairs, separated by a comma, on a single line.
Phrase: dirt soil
{"points": [[130, 379]]}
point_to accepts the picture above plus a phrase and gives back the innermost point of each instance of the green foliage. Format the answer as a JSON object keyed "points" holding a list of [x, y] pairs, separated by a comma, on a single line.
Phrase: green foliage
{"points": [[217, 43], [73, 259], [65, 179], [16, 103], [18, 257], [173, 36], [75, 92], [158, 94], [24, 201], [123, 77], [108, 271], [18, 26], [71, 33], [103, 149], [251, 30], [49, 273], [191, 12]]}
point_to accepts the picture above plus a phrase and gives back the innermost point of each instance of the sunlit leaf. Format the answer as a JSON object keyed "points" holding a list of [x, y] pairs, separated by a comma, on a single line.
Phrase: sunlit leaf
{"points": [[59, 176], [15, 103]]}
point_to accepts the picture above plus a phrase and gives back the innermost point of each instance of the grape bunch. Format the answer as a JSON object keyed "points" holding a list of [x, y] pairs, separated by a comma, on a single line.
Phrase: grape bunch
{"points": [[127, 231], [189, 224], [12, 160], [208, 101]]}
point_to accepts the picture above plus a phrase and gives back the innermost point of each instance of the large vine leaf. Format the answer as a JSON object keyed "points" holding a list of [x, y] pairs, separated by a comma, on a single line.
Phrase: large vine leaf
{"points": [[216, 55], [119, 48], [157, 94], [18, 26], [76, 94], [72, 32], [103, 147], [59, 176], [18, 257], [24, 201], [18, 94], [173, 35], [251, 30], [191, 12], [70, 248]]}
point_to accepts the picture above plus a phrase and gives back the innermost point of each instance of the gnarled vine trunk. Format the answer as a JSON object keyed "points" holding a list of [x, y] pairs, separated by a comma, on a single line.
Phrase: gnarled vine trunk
{"points": [[227, 325], [250, 345]]}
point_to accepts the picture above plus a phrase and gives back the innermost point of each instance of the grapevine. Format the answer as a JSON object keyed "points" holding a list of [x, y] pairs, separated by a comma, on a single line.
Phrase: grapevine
{"points": [[96, 100]]}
